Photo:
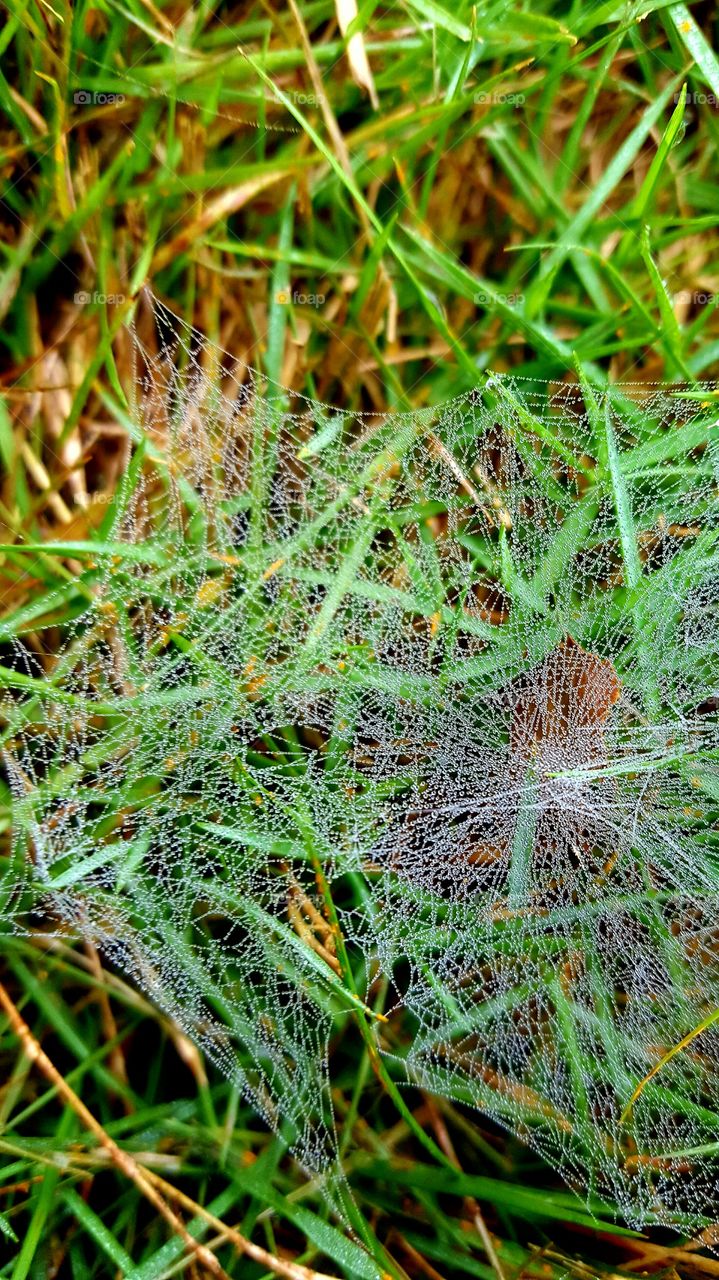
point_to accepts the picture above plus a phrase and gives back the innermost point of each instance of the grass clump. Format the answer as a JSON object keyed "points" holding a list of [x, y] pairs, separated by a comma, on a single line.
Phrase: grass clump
{"points": [[533, 195]]}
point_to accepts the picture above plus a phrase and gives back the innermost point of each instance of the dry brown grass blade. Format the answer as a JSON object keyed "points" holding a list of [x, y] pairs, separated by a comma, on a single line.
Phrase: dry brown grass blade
{"points": [[280, 1266], [667, 1057], [356, 52], [121, 1159], [228, 202], [150, 1184], [648, 1255], [420, 1262]]}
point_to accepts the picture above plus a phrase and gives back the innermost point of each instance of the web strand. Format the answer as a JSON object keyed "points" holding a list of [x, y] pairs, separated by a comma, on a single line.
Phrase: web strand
{"points": [[466, 659]]}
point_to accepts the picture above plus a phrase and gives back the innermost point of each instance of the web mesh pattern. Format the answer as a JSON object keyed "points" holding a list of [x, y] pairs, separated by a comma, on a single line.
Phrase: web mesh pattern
{"points": [[432, 697]]}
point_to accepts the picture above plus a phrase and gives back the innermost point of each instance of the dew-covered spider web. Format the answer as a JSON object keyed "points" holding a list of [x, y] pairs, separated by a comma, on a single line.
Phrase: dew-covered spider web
{"points": [[428, 699]]}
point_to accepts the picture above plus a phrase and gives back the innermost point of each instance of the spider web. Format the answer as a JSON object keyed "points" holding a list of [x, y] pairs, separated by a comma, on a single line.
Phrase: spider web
{"points": [[430, 698]]}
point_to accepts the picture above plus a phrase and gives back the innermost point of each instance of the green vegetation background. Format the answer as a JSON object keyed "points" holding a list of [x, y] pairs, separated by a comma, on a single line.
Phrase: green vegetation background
{"points": [[460, 188]]}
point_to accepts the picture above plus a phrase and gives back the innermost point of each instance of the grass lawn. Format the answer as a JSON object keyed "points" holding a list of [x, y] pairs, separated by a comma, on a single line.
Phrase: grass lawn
{"points": [[376, 210]]}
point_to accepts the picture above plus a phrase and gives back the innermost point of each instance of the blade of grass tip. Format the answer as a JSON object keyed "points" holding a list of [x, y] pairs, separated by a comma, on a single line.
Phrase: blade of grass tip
{"points": [[7, 438], [667, 1057], [133, 552], [695, 43], [535, 426], [639, 207], [523, 593], [18, 258], [434, 312], [7, 1230], [122, 494], [293, 948], [59, 147]]}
